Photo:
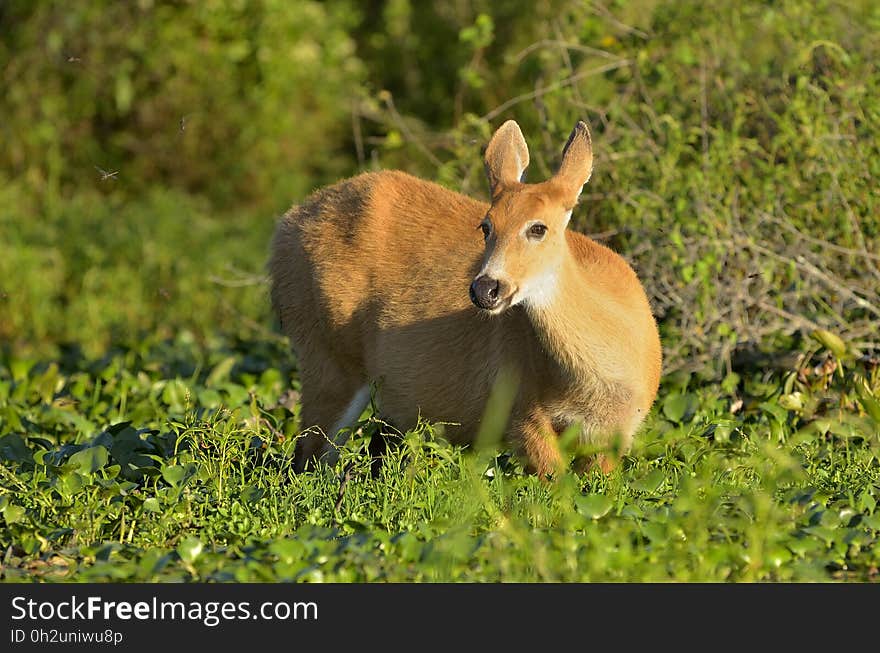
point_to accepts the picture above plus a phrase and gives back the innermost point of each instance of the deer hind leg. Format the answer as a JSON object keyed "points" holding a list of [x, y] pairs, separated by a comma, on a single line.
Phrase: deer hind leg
{"points": [[331, 401], [606, 463], [614, 446], [538, 443], [613, 443]]}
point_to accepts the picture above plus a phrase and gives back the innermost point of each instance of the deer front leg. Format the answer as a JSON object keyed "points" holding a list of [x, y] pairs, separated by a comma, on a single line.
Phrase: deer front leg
{"points": [[538, 444]]}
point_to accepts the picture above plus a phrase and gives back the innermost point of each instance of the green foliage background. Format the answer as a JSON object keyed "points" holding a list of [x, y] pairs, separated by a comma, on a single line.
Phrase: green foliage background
{"points": [[146, 148], [714, 124]]}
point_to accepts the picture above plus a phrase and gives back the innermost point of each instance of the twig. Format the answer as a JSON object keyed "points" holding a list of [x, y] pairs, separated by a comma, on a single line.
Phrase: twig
{"points": [[601, 10], [255, 280], [105, 175], [568, 64], [798, 319], [604, 235], [704, 116], [244, 278], [856, 225], [401, 123], [552, 87], [244, 320], [343, 482], [802, 263], [357, 134], [843, 290], [560, 43], [818, 241]]}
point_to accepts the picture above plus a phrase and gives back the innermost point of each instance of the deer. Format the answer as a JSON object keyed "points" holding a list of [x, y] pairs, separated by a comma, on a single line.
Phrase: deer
{"points": [[398, 291]]}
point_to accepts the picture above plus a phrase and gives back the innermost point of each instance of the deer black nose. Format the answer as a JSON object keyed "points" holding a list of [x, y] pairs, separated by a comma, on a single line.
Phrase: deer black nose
{"points": [[485, 292]]}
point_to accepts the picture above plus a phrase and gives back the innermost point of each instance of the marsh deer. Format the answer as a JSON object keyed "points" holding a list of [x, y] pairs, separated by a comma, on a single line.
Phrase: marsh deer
{"points": [[432, 295]]}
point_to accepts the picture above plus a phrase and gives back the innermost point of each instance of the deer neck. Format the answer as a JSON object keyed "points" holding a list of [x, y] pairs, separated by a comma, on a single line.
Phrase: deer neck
{"points": [[576, 319]]}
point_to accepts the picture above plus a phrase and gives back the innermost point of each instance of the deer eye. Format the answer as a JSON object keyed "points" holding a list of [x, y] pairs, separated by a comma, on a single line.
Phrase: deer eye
{"points": [[487, 229], [537, 231]]}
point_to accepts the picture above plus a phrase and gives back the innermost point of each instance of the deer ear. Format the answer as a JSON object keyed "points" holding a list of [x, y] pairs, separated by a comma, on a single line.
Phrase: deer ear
{"points": [[577, 160], [507, 156]]}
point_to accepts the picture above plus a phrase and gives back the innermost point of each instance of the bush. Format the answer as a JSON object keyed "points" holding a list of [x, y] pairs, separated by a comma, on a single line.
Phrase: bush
{"points": [[735, 144], [242, 102]]}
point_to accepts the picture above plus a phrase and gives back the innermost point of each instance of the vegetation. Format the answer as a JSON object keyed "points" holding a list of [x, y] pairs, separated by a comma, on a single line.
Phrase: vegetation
{"points": [[148, 406]]}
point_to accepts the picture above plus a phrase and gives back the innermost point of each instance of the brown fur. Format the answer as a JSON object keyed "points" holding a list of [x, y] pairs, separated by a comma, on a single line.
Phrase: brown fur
{"points": [[370, 280]]}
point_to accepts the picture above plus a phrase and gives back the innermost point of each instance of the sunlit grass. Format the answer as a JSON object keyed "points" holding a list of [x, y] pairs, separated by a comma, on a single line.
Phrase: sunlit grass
{"points": [[205, 490]]}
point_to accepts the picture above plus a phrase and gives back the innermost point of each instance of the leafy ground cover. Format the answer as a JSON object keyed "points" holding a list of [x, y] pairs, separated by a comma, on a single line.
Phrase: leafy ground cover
{"points": [[171, 460]]}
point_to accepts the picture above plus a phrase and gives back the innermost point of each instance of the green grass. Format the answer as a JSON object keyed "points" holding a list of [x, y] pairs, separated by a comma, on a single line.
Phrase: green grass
{"points": [[171, 460], [149, 408]]}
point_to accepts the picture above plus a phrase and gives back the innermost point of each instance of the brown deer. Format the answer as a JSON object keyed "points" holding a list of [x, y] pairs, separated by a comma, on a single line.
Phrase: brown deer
{"points": [[388, 279]]}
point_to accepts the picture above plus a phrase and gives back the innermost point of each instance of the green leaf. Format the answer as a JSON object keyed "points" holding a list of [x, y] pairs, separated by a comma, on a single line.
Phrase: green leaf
{"points": [[730, 382], [152, 562], [778, 556], [178, 475], [288, 549], [20, 368], [832, 342], [825, 534], [393, 139], [478, 35], [14, 449], [13, 514], [152, 505], [678, 406], [872, 521], [793, 401], [10, 418], [654, 531], [221, 372], [126, 443], [190, 549], [175, 394], [124, 93], [48, 383], [209, 398], [410, 547], [70, 483], [252, 494], [777, 413], [90, 460], [867, 399], [173, 474], [236, 395], [594, 506], [649, 483]]}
